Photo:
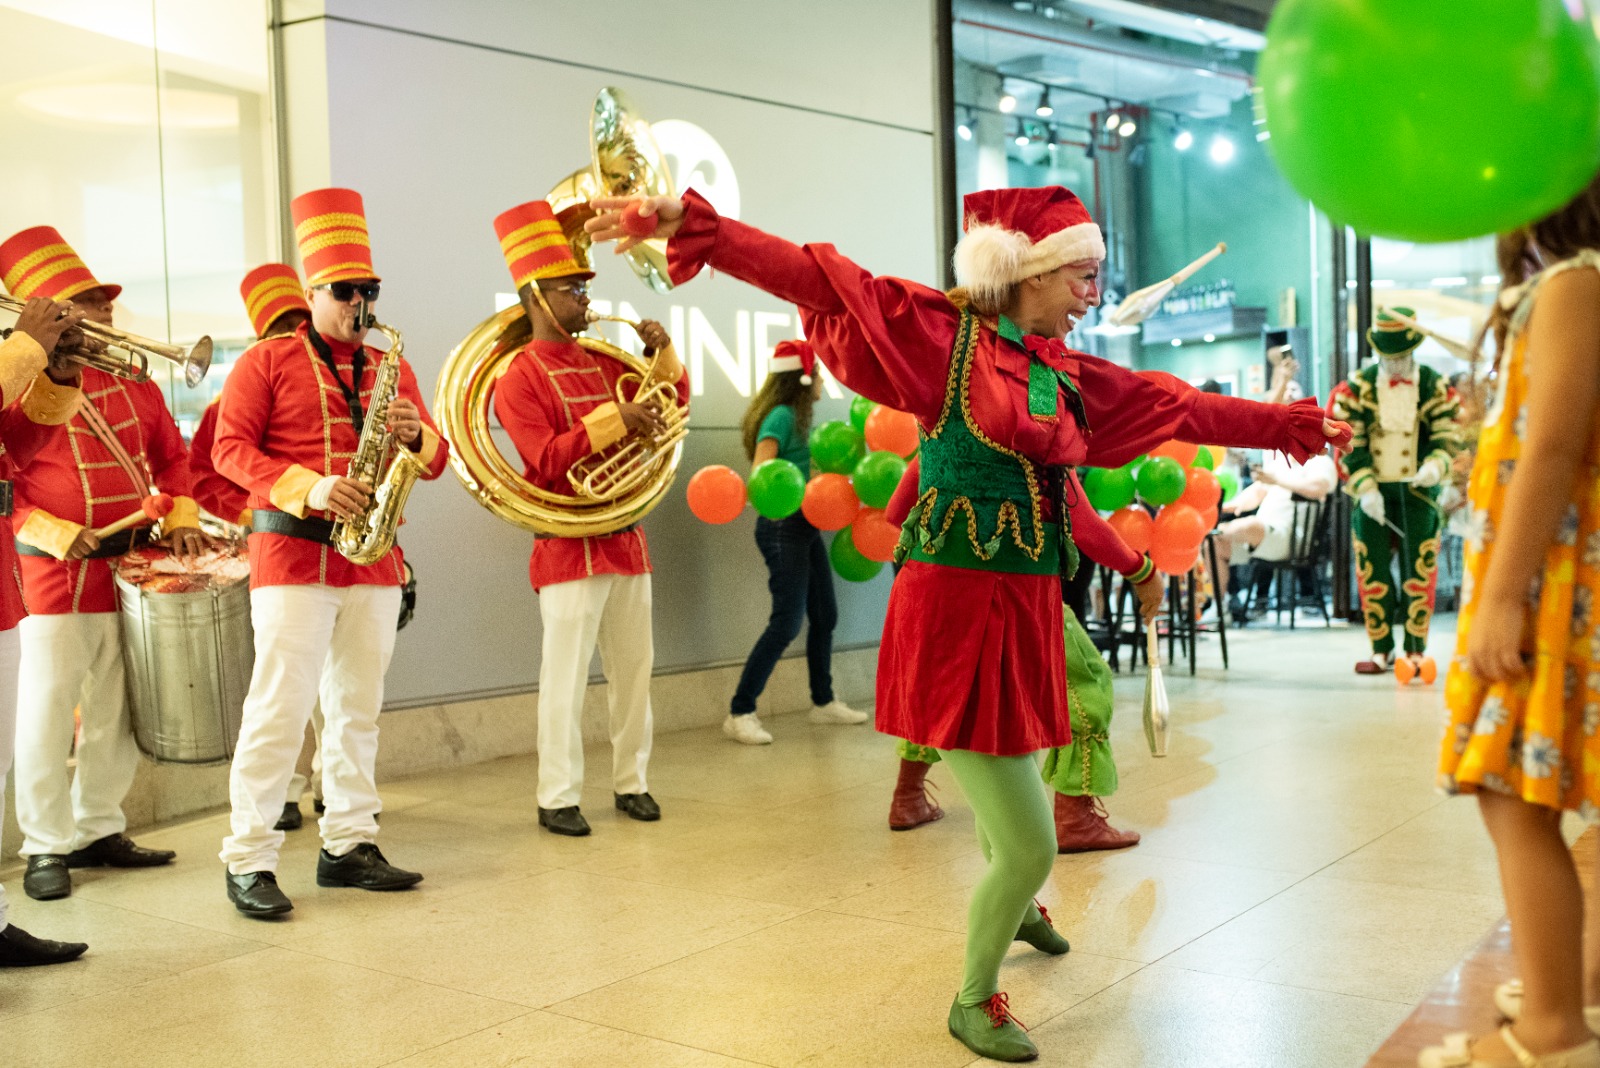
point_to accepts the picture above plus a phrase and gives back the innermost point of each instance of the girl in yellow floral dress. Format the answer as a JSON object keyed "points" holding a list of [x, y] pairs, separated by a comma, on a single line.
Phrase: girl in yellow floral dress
{"points": [[1524, 688]]}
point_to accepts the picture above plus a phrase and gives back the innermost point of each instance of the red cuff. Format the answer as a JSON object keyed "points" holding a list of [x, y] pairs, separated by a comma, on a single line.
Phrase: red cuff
{"points": [[1305, 431], [690, 248]]}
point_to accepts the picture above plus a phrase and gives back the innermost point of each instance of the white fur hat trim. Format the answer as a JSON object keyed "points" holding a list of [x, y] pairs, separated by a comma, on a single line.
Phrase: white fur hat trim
{"points": [[989, 258]]}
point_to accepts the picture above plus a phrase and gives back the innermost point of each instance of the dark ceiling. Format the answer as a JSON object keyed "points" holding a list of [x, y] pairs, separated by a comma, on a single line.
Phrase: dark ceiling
{"points": [[1251, 14]]}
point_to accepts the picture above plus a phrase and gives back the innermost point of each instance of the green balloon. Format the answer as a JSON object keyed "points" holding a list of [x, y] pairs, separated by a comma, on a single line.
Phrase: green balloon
{"points": [[1203, 459], [1108, 489], [860, 408], [1161, 481], [848, 561], [876, 477], [837, 447], [776, 488], [1433, 120], [1230, 484]]}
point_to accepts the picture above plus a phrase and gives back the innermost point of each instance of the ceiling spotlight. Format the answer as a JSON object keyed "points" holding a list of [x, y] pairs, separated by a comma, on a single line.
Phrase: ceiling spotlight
{"points": [[1022, 134], [1008, 103], [1184, 141], [1127, 129], [1088, 150], [1044, 110], [1113, 120], [1221, 149], [964, 127]]}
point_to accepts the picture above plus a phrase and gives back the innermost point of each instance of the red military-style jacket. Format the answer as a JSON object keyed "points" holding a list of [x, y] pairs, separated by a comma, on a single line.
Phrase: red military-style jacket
{"points": [[24, 429], [216, 494], [74, 481], [282, 426], [557, 401]]}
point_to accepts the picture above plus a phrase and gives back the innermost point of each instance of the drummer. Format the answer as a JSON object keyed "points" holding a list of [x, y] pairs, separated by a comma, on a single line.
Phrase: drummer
{"points": [[121, 446]]}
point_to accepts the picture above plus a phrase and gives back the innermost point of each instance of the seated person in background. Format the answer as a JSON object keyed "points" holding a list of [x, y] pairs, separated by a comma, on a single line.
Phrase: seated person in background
{"points": [[1265, 535]]}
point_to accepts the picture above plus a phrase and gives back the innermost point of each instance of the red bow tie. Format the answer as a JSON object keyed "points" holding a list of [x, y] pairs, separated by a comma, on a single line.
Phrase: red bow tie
{"points": [[1396, 380]]}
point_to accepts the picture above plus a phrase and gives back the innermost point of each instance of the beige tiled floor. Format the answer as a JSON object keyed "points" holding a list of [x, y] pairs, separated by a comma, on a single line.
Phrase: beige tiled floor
{"points": [[1300, 885]]}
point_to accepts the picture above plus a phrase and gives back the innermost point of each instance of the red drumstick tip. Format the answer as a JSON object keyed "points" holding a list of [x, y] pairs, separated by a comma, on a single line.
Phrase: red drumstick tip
{"points": [[157, 506]]}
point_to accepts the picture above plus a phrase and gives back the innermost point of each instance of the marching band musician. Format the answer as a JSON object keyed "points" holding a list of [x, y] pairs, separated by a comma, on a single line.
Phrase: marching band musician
{"points": [[291, 419], [120, 440], [23, 358], [559, 404]]}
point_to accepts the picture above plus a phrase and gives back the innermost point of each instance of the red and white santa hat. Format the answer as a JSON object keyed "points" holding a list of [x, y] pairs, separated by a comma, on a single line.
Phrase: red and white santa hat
{"points": [[794, 356], [1012, 234]]}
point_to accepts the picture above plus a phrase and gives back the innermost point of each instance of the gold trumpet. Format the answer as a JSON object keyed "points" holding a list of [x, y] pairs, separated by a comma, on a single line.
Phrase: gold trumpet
{"points": [[633, 461], [127, 355]]}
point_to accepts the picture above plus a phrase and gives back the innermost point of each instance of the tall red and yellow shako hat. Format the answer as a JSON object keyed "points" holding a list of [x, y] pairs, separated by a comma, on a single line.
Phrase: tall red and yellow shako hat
{"points": [[38, 262], [534, 245], [268, 292], [330, 226]]}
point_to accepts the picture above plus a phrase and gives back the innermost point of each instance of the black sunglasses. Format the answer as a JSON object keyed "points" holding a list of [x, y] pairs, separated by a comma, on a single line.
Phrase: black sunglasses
{"points": [[345, 292]]}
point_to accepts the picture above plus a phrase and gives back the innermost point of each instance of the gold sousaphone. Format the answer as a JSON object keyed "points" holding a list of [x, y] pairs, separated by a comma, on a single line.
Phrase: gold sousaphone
{"points": [[621, 485]]}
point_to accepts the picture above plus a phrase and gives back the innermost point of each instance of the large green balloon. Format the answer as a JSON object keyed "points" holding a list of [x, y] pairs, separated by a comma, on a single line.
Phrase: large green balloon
{"points": [[1110, 489], [1230, 485], [1433, 120], [1161, 480], [848, 561], [776, 488], [860, 408], [876, 477], [837, 447]]}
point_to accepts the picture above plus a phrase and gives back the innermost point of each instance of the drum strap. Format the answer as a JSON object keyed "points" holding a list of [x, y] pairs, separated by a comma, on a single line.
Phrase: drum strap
{"points": [[272, 521], [108, 437]]}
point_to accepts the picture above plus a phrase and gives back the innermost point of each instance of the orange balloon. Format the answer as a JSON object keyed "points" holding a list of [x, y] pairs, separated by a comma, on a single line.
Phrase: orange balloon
{"points": [[716, 494], [1181, 451], [1134, 526], [891, 431], [1171, 561], [1209, 516], [874, 535], [1202, 491], [830, 502], [1178, 528]]}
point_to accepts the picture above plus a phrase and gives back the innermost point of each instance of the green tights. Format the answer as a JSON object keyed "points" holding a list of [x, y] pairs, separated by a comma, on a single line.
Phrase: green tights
{"points": [[1018, 838]]}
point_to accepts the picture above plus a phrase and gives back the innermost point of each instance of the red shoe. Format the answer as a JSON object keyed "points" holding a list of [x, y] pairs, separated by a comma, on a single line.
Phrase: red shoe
{"points": [[1378, 665], [912, 806], [1081, 827]]}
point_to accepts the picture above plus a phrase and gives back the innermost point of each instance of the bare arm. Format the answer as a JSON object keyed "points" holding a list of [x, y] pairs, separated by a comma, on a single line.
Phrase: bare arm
{"points": [[766, 449]]}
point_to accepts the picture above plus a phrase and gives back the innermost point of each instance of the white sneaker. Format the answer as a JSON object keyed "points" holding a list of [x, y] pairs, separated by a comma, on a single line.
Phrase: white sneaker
{"points": [[836, 712], [746, 729]]}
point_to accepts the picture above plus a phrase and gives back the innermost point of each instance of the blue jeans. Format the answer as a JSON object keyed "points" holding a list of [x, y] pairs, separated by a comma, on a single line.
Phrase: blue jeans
{"points": [[801, 582]]}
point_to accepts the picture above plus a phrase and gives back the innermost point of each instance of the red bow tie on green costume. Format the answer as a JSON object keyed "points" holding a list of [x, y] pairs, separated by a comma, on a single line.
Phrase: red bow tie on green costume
{"points": [[1396, 380]]}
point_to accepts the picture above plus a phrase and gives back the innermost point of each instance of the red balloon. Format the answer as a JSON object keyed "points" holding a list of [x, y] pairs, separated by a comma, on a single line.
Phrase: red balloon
{"points": [[874, 535], [1181, 451], [891, 431], [1202, 490], [1134, 526], [1178, 528], [830, 502], [716, 494], [1171, 561]]}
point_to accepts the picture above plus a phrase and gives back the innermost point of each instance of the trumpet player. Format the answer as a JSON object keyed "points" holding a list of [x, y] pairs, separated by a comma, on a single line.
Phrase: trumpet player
{"points": [[121, 445], [560, 404], [291, 420], [23, 356]]}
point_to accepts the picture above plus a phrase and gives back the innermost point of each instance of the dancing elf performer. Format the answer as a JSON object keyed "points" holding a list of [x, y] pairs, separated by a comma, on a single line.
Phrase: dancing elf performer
{"points": [[1004, 408], [1523, 691], [1080, 774], [1406, 420]]}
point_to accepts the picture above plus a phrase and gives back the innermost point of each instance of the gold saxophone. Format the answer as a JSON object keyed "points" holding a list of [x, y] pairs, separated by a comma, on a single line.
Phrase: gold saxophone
{"points": [[381, 462]]}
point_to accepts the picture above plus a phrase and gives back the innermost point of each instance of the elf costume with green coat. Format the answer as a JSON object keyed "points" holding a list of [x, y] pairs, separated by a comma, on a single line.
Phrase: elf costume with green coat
{"points": [[1406, 428]]}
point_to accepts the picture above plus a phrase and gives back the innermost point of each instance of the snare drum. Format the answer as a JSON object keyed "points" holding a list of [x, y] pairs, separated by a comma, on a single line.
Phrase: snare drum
{"points": [[189, 650]]}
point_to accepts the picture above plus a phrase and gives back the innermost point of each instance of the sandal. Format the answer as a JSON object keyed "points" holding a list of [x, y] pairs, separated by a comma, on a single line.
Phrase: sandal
{"points": [[1508, 999], [1457, 1053]]}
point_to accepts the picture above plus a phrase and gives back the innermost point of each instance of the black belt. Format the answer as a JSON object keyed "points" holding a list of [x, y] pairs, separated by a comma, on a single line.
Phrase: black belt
{"points": [[118, 544], [7, 499], [272, 521]]}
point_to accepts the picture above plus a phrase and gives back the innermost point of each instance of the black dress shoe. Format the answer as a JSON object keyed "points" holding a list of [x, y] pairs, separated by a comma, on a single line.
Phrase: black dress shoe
{"points": [[291, 820], [118, 851], [568, 821], [364, 867], [19, 949], [639, 806], [47, 877], [256, 893], [316, 803]]}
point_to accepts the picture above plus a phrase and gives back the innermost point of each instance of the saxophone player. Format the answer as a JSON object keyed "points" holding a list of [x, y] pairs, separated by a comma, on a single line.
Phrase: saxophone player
{"points": [[291, 421], [559, 404]]}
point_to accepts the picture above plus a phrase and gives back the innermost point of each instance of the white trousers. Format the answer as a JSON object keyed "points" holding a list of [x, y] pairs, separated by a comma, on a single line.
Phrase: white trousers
{"points": [[613, 611], [10, 661], [341, 639], [74, 661]]}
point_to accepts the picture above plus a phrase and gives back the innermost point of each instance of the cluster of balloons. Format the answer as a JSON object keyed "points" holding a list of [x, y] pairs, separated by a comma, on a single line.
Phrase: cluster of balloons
{"points": [[1177, 480], [860, 464]]}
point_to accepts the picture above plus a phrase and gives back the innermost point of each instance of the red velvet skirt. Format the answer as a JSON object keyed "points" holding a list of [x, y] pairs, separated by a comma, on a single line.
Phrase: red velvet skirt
{"points": [[974, 660]]}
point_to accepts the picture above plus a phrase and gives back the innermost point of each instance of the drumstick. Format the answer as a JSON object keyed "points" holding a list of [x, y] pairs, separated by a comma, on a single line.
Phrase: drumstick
{"points": [[150, 510], [1138, 305]]}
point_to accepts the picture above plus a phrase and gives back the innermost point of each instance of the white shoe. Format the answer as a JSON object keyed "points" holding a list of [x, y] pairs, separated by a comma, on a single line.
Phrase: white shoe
{"points": [[836, 712], [1508, 999], [746, 729]]}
